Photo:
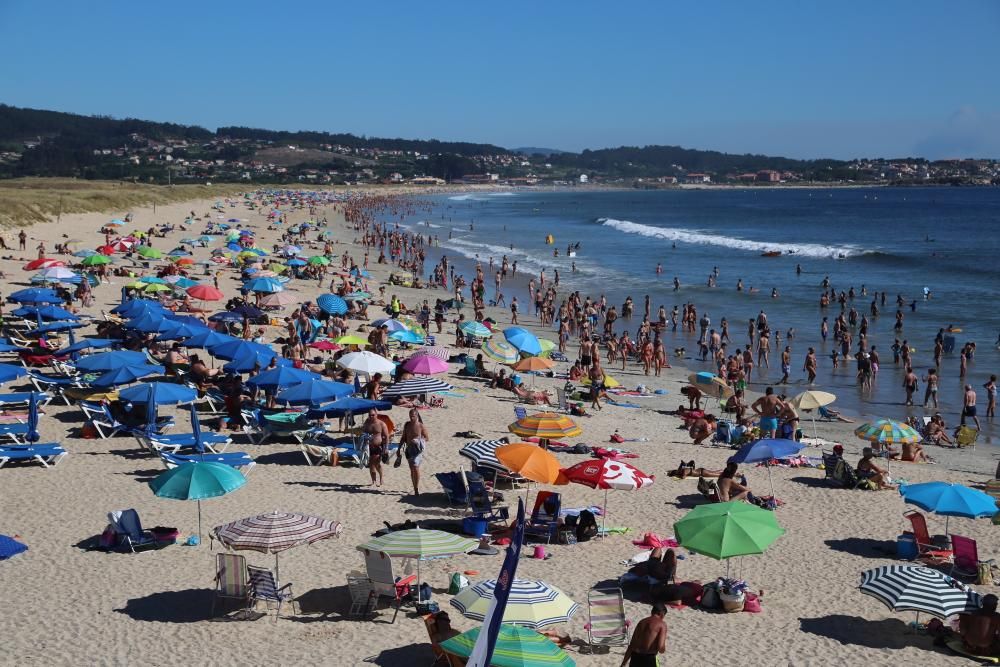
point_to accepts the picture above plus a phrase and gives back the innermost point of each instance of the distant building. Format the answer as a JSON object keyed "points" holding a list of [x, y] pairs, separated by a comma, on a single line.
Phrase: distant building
{"points": [[697, 178], [583, 179], [768, 176], [427, 180]]}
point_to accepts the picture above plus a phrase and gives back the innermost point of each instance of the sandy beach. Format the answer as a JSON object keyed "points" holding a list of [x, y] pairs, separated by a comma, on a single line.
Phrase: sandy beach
{"points": [[66, 604]]}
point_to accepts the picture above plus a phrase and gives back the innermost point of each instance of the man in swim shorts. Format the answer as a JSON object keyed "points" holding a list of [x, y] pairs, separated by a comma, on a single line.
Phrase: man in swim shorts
{"points": [[969, 406], [768, 407], [648, 639]]}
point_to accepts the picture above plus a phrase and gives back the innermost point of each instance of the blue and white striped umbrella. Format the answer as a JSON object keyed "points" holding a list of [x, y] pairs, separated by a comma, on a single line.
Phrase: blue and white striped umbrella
{"points": [[483, 453], [533, 604], [331, 304], [919, 589], [415, 387]]}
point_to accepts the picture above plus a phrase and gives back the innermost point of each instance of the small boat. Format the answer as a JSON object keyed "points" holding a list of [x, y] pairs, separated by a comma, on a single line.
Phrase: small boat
{"points": [[771, 253]]}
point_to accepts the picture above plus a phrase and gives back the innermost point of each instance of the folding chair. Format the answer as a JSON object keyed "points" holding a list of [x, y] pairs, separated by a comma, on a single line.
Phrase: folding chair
{"points": [[264, 588], [608, 625], [363, 598], [230, 579], [379, 567]]}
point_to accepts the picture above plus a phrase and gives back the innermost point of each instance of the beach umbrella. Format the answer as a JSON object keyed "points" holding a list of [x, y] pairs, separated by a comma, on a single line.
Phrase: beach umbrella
{"points": [[237, 347], [546, 345], [279, 300], [207, 339], [331, 304], [153, 288], [281, 377], [264, 285], [9, 547], [319, 260], [205, 293], [442, 353], [325, 345], [391, 324], [42, 263], [87, 344], [919, 589], [711, 384], [607, 474], [887, 432], [366, 363], [351, 339], [546, 426], [314, 392], [531, 604], [949, 500], [248, 361], [425, 364], [500, 351], [357, 296], [419, 544], [531, 462], [476, 329], [108, 361], [348, 405], [95, 260], [765, 450], [409, 337], [609, 382], [151, 280], [523, 340], [516, 646], [724, 530], [126, 374], [133, 308], [533, 364], [35, 295], [172, 330], [296, 261], [275, 532], [812, 401], [55, 326], [159, 393], [57, 273], [415, 387], [483, 453], [85, 253], [197, 481], [149, 252], [48, 312]]}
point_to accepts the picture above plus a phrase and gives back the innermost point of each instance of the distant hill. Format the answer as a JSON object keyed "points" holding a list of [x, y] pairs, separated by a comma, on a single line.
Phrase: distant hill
{"points": [[531, 150]]}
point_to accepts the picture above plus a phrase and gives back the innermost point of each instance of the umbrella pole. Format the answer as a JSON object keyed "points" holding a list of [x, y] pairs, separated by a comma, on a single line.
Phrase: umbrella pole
{"points": [[199, 521], [769, 480], [604, 515], [277, 573]]}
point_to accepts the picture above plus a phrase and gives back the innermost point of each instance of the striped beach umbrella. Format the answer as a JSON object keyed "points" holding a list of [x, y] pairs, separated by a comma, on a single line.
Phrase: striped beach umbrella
{"points": [[420, 543], [275, 532], [435, 351], [483, 453], [532, 604], [500, 351], [919, 589], [331, 304], [545, 425], [415, 387], [516, 646], [887, 432], [477, 329], [391, 324]]}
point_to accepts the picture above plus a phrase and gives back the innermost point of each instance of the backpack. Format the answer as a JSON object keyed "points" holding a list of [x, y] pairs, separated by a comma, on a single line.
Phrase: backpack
{"points": [[586, 526], [723, 432]]}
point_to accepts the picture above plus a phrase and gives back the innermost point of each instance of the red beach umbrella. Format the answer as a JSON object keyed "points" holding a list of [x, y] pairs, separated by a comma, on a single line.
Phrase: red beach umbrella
{"points": [[42, 263], [205, 293], [607, 474]]}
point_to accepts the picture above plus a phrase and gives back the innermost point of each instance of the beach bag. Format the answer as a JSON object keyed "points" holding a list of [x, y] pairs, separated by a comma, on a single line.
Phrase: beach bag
{"points": [[710, 596], [732, 602], [457, 584], [752, 604], [586, 526], [723, 432], [984, 574]]}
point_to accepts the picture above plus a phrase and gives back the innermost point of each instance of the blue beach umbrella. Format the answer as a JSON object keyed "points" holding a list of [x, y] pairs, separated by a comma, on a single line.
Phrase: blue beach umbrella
{"points": [[764, 450], [314, 392], [149, 322], [7, 347], [88, 344], [295, 261], [239, 348], [264, 285], [35, 295], [406, 337], [126, 375], [208, 339], [281, 377], [107, 361], [226, 316], [250, 360], [391, 324], [949, 500], [9, 547], [477, 329], [173, 330], [55, 326], [46, 312], [133, 308], [348, 405], [32, 435], [159, 393], [331, 304], [522, 339]]}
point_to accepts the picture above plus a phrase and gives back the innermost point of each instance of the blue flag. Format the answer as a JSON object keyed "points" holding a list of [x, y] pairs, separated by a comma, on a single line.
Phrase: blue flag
{"points": [[482, 653]]}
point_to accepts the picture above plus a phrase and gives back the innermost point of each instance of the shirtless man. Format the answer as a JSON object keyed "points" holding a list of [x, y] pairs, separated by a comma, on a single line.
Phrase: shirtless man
{"points": [[969, 406], [786, 364], [412, 445], [378, 434], [648, 639], [768, 407], [910, 385], [979, 630], [810, 365]]}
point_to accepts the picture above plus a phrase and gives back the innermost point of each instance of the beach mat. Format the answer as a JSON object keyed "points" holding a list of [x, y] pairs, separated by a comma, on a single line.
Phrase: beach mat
{"points": [[959, 648]]}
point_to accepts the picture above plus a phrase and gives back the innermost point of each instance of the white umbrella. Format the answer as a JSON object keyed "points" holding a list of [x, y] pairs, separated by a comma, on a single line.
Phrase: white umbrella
{"points": [[813, 400], [366, 363]]}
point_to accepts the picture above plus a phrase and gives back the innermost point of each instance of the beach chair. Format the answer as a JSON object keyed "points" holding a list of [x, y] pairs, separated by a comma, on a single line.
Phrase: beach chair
{"points": [[54, 385], [965, 558], [363, 598], [264, 588], [561, 399], [49, 454], [966, 436], [470, 369], [127, 528], [99, 416], [453, 487], [544, 521], [608, 625], [520, 412], [239, 460], [230, 580], [216, 443], [378, 564], [21, 400], [481, 501], [440, 657], [926, 549], [318, 446]]}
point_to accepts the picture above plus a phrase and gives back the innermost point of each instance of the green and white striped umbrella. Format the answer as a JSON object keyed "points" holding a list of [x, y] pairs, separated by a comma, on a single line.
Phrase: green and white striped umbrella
{"points": [[515, 647], [420, 543]]}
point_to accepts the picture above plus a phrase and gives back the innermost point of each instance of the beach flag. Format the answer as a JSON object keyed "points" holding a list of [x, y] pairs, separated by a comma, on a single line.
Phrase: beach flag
{"points": [[482, 653]]}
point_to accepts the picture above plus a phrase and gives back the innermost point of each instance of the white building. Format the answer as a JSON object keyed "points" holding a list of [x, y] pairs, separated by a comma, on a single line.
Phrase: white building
{"points": [[583, 179]]}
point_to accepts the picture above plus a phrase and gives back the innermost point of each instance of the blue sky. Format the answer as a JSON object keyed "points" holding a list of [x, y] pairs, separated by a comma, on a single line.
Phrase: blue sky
{"points": [[803, 79]]}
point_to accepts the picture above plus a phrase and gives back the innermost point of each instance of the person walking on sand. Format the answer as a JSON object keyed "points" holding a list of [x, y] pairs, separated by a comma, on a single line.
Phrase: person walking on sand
{"points": [[969, 406], [596, 375], [413, 446], [377, 434], [513, 310], [648, 639], [768, 407]]}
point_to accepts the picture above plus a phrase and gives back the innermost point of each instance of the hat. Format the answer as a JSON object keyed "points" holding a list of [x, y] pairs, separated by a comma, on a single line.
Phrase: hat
{"points": [[838, 448]]}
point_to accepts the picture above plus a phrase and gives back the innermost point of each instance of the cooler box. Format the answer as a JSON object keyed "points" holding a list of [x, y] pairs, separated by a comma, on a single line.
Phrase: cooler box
{"points": [[474, 526], [906, 546]]}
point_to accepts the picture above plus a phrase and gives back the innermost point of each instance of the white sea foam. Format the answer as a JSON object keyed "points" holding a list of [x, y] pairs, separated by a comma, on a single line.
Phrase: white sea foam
{"points": [[461, 198], [813, 250], [526, 262], [502, 194]]}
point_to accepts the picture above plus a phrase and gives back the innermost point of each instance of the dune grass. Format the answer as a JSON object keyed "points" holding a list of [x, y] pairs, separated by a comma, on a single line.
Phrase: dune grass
{"points": [[26, 201]]}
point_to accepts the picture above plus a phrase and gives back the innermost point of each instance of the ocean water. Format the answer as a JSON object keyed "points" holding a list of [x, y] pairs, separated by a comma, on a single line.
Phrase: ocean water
{"points": [[897, 240]]}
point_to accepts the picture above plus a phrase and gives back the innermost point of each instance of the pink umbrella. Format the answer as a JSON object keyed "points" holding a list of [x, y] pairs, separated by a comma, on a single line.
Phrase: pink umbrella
{"points": [[425, 364], [326, 345]]}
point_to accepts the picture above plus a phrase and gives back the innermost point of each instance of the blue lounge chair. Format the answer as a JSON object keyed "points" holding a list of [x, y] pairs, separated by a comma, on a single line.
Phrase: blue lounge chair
{"points": [[264, 588], [544, 522], [234, 459], [215, 443], [451, 482], [49, 454], [56, 385], [481, 501], [8, 401]]}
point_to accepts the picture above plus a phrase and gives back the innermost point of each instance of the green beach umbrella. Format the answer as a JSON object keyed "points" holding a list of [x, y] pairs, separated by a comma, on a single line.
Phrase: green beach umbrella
{"points": [[546, 345], [319, 259], [477, 329], [196, 481], [515, 647], [724, 530], [500, 351], [155, 287], [96, 260], [149, 253], [420, 544]]}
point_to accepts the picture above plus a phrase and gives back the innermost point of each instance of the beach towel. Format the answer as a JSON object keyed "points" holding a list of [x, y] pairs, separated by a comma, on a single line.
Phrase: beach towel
{"points": [[614, 530], [621, 404], [654, 541], [321, 453], [575, 511], [604, 453]]}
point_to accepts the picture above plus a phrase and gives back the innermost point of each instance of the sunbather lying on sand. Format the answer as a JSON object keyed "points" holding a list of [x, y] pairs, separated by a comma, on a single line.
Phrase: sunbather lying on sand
{"points": [[689, 469], [534, 397]]}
